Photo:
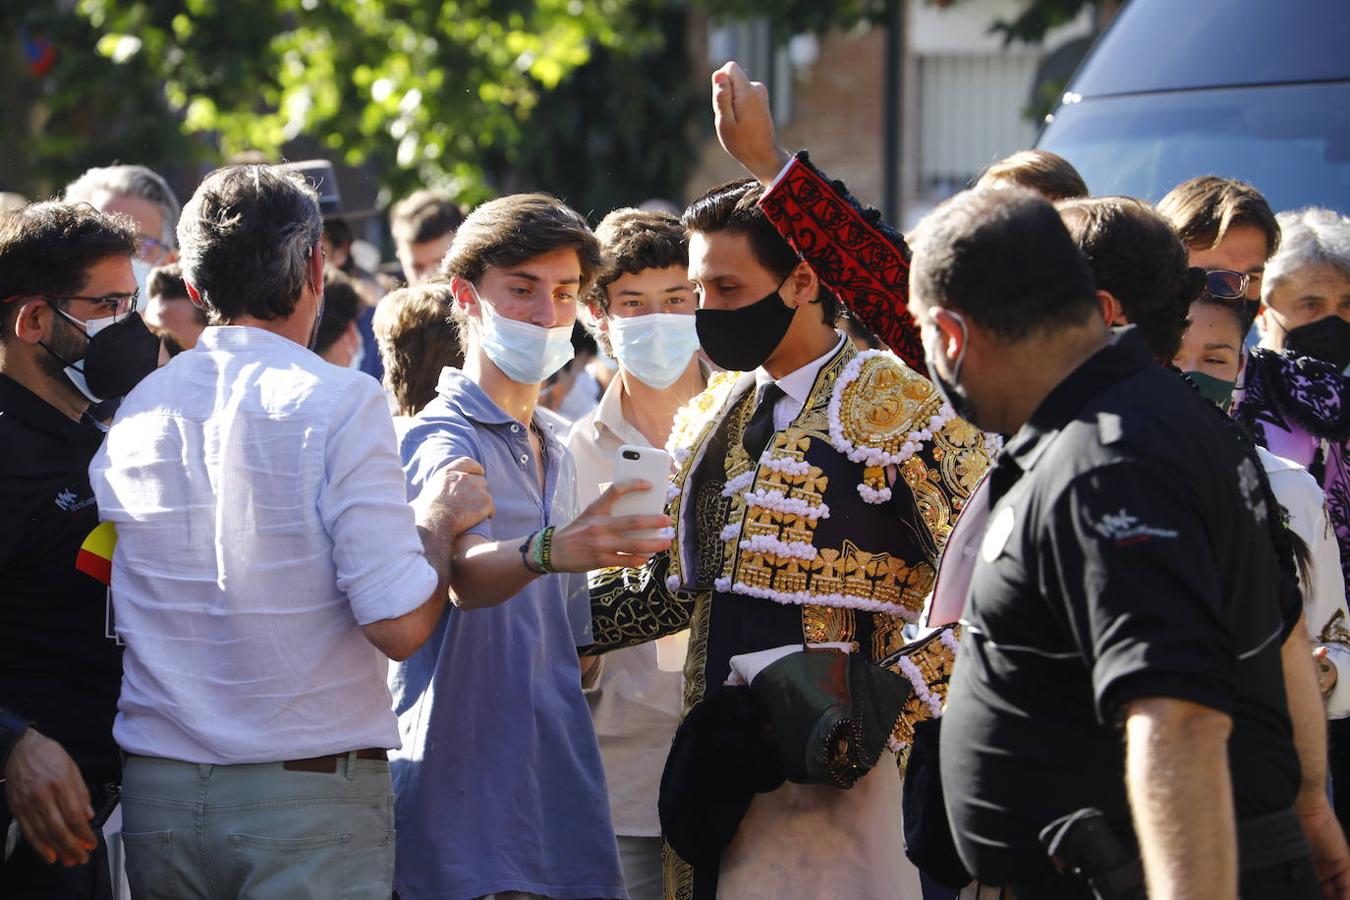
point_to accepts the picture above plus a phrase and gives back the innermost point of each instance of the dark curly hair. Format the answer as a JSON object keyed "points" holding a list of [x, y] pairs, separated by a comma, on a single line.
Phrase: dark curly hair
{"points": [[734, 208], [48, 248], [632, 241]]}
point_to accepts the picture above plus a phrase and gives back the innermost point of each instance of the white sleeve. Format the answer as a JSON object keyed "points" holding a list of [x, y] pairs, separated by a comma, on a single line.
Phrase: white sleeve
{"points": [[1323, 585], [364, 506]]}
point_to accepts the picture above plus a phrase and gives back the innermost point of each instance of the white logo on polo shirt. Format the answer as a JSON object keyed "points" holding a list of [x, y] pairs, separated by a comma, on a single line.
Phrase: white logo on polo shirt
{"points": [[1125, 528]]}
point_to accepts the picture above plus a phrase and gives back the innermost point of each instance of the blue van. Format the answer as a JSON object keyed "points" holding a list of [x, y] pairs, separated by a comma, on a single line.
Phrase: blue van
{"points": [[1251, 89]]}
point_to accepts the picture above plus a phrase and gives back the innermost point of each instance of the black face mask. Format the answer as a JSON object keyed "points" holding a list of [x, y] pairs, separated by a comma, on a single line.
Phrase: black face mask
{"points": [[951, 391], [119, 356], [740, 340], [1326, 339], [115, 360]]}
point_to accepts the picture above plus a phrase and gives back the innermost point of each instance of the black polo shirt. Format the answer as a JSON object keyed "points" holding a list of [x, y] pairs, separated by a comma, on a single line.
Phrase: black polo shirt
{"points": [[1126, 556], [59, 666]]}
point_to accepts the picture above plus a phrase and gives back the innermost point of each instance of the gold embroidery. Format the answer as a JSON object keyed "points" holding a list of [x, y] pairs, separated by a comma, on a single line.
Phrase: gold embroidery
{"points": [[934, 660], [828, 624], [632, 606], [693, 426], [885, 404], [677, 876], [696, 659], [887, 635]]}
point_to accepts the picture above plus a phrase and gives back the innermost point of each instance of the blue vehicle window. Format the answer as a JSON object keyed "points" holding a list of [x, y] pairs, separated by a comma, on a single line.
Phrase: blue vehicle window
{"points": [[1161, 45], [1291, 141]]}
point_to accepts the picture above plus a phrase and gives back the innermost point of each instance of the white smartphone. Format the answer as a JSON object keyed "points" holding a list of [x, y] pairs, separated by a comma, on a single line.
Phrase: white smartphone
{"points": [[650, 465]]}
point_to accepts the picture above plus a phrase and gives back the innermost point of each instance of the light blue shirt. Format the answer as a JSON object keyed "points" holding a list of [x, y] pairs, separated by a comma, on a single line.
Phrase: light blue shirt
{"points": [[499, 783]]}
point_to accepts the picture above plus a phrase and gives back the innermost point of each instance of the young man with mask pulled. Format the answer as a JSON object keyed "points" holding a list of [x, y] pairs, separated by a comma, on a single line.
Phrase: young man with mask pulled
{"points": [[67, 295], [814, 490], [1120, 627], [642, 312], [501, 789]]}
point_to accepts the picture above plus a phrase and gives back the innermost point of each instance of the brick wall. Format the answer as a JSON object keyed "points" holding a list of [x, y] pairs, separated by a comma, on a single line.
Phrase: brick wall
{"points": [[838, 114]]}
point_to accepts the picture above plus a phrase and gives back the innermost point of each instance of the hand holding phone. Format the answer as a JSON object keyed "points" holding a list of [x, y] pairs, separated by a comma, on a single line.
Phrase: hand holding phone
{"points": [[648, 464]]}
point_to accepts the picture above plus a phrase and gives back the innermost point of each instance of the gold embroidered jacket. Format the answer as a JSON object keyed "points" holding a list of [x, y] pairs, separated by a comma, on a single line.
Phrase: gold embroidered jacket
{"points": [[812, 542]]}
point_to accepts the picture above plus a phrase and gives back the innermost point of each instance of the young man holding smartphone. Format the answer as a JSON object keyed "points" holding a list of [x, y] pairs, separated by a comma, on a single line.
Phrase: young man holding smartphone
{"points": [[499, 782], [642, 310]]}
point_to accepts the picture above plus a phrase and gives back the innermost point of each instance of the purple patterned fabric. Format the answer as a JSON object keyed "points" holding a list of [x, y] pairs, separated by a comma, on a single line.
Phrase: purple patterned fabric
{"points": [[1299, 408]]}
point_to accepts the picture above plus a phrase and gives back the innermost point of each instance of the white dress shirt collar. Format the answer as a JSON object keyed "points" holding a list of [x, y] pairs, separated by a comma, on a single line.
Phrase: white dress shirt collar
{"points": [[797, 383]]}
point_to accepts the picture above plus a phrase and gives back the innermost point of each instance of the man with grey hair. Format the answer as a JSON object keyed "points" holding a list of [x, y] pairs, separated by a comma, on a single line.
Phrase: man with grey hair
{"points": [[1305, 298], [143, 195], [267, 557]]}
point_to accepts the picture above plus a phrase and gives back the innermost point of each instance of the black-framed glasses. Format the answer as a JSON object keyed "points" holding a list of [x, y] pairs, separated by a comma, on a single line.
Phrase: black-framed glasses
{"points": [[1225, 284], [118, 304]]}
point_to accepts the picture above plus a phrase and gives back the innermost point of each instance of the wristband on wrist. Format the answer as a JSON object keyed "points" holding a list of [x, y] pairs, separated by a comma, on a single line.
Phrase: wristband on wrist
{"points": [[544, 551], [527, 551]]}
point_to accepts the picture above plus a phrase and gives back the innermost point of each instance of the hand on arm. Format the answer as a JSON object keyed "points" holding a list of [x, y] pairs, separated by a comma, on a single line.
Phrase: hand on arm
{"points": [[744, 123], [48, 797], [1327, 673], [485, 573], [1330, 855], [1181, 797], [454, 500]]}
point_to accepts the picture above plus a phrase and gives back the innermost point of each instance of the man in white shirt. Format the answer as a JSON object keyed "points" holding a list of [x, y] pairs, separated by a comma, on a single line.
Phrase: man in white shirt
{"points": [[267, 562]]}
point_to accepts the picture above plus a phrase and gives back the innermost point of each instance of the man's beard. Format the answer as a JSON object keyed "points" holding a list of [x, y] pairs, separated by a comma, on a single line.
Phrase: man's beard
{"points": [[66, 343]]}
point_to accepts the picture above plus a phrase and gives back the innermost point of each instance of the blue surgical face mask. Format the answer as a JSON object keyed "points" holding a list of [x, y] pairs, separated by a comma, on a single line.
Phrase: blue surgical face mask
{"points": [[656, 347], [526, 353]]}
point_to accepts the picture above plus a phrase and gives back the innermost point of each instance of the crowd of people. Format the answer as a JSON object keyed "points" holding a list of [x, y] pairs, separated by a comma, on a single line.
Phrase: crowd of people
{"points": [[1006, 559]]}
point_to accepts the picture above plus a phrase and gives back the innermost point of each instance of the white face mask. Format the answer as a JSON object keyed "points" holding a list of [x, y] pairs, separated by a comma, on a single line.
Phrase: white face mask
{"points": [[656, 347], [358, 355], [141, 269], [526, 354]]}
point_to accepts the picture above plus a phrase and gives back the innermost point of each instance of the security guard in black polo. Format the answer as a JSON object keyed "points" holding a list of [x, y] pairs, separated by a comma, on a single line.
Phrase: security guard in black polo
{"points": [[62, 267], [1126, 562]]}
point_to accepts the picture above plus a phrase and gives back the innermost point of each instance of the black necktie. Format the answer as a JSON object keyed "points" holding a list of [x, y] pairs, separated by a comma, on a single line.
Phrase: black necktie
{"points": [[760, 427]]}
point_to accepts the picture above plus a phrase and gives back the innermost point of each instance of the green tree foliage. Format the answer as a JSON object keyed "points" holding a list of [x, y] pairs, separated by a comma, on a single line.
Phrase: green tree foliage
{"points": [[428, 89], [619, 129], [75, 109]]}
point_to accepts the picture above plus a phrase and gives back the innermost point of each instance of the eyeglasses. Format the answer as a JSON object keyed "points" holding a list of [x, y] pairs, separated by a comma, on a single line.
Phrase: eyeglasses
{"points": [[1225, 284], [115, 304], [153, 249]]}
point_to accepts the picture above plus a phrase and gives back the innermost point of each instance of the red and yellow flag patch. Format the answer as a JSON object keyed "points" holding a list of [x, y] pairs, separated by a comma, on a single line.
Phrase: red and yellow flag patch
{"points": [[95, 556]]}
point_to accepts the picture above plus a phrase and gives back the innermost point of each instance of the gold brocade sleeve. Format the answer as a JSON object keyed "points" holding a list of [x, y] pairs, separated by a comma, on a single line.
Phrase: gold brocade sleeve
{"points": [[945, 471], [927, 664], [633, 606]]}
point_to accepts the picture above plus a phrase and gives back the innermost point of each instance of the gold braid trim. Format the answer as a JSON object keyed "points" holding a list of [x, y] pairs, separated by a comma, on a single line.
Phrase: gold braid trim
{"points": [[633, 606], [933, 658], [693, 426]]}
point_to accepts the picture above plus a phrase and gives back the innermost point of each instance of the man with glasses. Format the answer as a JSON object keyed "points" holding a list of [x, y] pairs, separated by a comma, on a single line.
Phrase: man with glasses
{"points": [[146, 198], [65, 274]]}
